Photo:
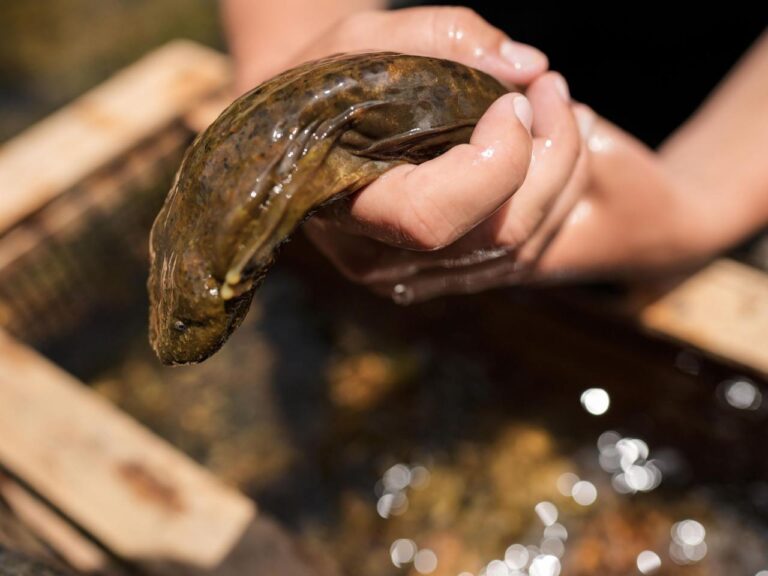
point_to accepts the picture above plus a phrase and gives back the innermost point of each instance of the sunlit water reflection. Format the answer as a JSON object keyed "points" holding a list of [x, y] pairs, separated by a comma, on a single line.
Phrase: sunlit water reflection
{"points": [[474, 436]]}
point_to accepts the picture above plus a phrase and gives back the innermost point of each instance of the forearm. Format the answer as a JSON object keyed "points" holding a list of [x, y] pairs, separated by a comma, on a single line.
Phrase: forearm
{"points": [[263, 35], [721, 153]]}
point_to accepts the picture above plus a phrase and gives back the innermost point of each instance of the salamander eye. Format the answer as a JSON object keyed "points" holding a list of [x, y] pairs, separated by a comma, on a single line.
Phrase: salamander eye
{"points": [[180, 326]]}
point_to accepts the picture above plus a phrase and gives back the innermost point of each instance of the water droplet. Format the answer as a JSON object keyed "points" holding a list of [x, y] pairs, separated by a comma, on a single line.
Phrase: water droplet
{"points": [[620, 485], [648, 562], [547, 512], [599, 143], [584, 493], [420, 477], [384, 505], [399, 504], [425, 561], [742, 394], [595, 401], [631, 450], [397, 478], [402, 551], [608, 440], [553, 546], [686, 554], [688, 532], [638, 478], [545, 565], [516, 557], [565, 483], [557, 530], [496, 568], [401, 294]]}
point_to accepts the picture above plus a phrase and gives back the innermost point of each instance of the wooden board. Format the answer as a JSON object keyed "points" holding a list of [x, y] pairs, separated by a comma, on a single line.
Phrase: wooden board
{"points": [[723, 310], [60, 151], [132, 491], [79, 552]]}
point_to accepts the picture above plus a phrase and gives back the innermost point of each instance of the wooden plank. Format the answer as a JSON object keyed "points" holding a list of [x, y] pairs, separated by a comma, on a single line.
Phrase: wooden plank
{"points": [[132, 491], [63, 149], [79, 552], [723, 309], [202, 115]]}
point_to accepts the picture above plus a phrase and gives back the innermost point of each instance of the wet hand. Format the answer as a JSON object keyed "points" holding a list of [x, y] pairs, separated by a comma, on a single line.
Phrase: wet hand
{"points": [[507, 191]]}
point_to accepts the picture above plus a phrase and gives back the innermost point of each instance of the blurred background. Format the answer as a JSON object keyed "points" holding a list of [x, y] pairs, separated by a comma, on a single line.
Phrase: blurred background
{"points": [[505, 433], [53, 51]]}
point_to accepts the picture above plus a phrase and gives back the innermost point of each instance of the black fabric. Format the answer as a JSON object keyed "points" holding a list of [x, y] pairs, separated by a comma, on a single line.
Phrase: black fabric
{"points": [[645, 70]]}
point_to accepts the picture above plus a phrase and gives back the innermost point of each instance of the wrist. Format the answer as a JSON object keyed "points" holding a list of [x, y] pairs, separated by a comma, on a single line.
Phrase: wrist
{"points": [[716, 210]]}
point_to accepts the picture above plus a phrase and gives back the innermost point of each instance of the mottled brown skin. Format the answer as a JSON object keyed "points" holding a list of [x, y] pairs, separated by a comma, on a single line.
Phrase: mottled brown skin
{"points": [[307, 137]]}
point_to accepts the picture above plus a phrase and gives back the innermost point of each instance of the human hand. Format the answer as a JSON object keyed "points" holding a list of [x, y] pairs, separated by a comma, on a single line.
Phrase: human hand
{"points": [[637, 215], [468, 192], [641, 209], [634, 216], [453, 33]]}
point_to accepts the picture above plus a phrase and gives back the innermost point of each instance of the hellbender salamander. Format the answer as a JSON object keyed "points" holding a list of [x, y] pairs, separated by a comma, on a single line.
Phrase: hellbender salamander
{"points": [[307, 137]]}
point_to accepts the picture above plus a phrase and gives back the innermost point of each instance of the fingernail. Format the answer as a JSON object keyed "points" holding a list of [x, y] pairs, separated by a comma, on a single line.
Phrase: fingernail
{"points": [[523, 111], [562, 87], [522, 56]]}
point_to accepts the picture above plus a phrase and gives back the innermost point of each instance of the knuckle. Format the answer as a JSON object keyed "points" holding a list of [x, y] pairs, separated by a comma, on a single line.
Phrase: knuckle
{"points": [[462, 14], [357, 19], [424, 228], [450, 24], [514, 231], [352, 26]]}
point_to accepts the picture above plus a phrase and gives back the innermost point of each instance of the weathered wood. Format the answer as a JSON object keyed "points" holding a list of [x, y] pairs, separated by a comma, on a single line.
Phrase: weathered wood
{"points": [[79, 552], [133, 492], [63, 149], [723, 310], [87, 247]]}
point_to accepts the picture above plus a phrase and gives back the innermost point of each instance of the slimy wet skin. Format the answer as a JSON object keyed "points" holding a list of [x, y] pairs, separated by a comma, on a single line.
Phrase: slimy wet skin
{"points": [[308, 137]]}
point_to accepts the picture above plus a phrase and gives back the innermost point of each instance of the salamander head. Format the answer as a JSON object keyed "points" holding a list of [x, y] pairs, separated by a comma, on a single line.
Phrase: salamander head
{"points": [[190, 318]]}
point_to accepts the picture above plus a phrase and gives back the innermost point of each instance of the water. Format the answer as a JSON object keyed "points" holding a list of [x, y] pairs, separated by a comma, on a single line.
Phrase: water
{"points": [[459, 436]]}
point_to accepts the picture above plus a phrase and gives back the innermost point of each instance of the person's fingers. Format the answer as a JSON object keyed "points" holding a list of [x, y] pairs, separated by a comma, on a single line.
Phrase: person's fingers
{"points": [[369, 262], [472, 264], [453, 33], [432, 283], [557, 145], [358, 258], [428, 206], [361, 263], [567, 200], [628, 186]]}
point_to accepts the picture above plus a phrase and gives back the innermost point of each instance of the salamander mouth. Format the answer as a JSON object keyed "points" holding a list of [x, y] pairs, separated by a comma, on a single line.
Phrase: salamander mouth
{"points": [[197, 343]]}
